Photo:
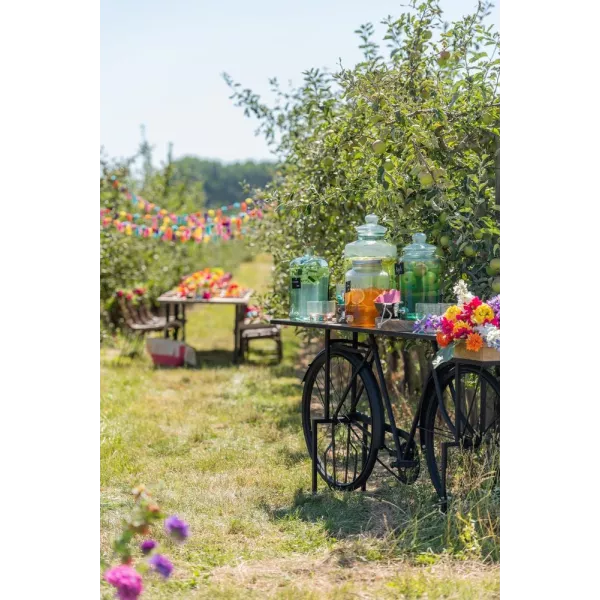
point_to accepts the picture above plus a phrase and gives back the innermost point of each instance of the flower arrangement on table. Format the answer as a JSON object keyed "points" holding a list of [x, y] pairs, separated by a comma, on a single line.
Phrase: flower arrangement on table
{"points": [[210, 283], [126, 579], [470, 321]]}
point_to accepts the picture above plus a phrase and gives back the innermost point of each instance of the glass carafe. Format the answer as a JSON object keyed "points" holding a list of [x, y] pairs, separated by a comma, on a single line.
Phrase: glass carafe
{"points": [[364, 282], [309, 280], [420, 275], [370, 244]]}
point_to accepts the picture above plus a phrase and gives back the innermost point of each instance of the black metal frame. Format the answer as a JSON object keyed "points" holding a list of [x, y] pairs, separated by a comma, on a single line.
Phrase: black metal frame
{"points": [[372, 356]]}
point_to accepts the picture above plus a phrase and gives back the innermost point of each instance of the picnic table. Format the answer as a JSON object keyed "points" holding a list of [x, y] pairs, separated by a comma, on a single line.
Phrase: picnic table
{"points": [[172, 300]]}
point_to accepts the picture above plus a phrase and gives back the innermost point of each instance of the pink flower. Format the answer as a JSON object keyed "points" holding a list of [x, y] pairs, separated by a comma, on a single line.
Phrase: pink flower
{"points": [[127, 581]]}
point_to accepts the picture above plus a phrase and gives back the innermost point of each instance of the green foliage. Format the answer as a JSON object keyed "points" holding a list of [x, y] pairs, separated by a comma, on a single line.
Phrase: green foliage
{"points": [[413, 137], [223, 184], [128, 261]]}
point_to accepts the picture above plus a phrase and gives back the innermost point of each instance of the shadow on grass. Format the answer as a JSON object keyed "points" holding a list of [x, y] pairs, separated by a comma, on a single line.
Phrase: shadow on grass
{"points": [[342, 515]]}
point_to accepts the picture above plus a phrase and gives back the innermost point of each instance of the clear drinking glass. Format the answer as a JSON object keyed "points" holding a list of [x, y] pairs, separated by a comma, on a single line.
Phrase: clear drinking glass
{"points": [[321, 310], [423, 309]]}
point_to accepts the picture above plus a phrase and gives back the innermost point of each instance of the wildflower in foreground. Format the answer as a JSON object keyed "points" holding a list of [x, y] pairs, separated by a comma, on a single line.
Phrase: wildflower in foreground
{"points": [[147, 546], [474, 342], [177, 528], [162, 565], [127, 581]]}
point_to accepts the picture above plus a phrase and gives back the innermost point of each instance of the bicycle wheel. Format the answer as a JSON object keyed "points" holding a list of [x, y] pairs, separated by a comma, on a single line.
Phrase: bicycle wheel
{"points": [[347, 449], [476, 459]]}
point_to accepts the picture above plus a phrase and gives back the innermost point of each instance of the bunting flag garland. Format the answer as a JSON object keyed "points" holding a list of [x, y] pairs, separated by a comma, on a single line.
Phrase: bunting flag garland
{"points": [[225, 223]]}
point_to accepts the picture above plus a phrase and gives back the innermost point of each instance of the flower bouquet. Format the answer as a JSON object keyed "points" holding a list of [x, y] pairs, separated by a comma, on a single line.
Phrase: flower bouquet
{"points": [[471, 326], [210, 283]]}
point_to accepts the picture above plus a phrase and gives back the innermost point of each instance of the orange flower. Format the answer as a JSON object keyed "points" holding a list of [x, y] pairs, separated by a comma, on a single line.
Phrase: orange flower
{"points": [[442, 339], [474, 342]]}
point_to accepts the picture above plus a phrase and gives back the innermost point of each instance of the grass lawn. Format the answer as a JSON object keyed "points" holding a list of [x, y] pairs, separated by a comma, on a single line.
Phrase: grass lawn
{"points": [[222, 447]]}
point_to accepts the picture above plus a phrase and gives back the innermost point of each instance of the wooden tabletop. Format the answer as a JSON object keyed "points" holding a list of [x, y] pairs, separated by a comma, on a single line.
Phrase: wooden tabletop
{"points": [[172, 298], [345, 327]]}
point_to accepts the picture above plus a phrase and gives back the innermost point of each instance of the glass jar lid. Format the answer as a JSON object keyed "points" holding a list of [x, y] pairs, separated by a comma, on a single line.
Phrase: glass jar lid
{"points": [[419, 247], [367, 262], [371, 228], [308, 257]]}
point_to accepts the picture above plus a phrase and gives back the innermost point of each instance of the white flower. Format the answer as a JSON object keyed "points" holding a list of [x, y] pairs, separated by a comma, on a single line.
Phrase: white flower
{"points": [[493, 337], [462, 293], [436, 361]]}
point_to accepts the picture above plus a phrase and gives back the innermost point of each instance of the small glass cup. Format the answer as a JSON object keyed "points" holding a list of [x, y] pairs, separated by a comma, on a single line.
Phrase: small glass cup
{"points": [[423, 309], [321, 310]]}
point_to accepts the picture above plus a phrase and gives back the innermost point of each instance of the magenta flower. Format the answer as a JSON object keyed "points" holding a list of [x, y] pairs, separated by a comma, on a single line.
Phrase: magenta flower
{"points": [[127, 581], [162, 565], [177, 528], [147, 546]]}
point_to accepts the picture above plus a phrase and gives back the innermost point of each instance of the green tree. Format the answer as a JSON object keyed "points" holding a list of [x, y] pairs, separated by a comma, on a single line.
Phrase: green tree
{"points": [[413, 137], [223, 184]]}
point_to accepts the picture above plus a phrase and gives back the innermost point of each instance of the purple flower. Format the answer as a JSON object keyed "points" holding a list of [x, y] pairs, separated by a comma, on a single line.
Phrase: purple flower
{"points": [[162, 565], [147, 546], [177, 528], [494, 303], [127, 581], [427, 324]]}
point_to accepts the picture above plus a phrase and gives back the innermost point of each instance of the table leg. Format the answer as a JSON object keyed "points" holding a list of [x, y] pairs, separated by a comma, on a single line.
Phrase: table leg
{"points": [[183, 322], [237, 334], [327, 369], [167, 315], [176, 317]]}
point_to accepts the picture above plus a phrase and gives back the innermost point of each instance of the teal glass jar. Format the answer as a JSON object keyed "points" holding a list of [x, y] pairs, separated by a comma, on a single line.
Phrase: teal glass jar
{"points": [[420, 275], [309, 280]]}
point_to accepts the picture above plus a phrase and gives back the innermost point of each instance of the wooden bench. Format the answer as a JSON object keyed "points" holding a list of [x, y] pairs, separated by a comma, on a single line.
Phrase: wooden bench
{"points": [[141, 320], [259, 331]]}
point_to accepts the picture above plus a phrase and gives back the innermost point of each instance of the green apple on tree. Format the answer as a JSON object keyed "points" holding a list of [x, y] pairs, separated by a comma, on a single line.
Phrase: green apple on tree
{"points": [[378, 147], [495, 265], [425, 179]]}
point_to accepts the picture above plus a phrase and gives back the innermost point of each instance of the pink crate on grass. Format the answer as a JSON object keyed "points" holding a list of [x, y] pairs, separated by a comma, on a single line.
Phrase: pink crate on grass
{"points": [[170, 353]]}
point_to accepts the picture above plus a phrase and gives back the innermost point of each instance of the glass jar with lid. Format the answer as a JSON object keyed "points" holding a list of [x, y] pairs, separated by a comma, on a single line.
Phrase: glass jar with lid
{"points": [[420, 274], [309, 280], [364, 282], [370, 244]]}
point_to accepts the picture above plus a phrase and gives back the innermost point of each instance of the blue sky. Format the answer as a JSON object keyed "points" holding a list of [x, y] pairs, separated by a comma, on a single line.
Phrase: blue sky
{"points": [[161, 64]]}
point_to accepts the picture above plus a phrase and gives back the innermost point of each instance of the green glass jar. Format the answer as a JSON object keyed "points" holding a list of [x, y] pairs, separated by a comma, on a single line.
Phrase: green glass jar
{"points": [[420, 275], [371, 245], [309, 280]]}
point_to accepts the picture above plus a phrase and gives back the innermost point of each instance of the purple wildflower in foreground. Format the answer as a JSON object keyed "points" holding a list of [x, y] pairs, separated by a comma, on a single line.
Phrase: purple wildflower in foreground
{"points": [[162, 565], [147, 546], [127, 581], [177, 528]]}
